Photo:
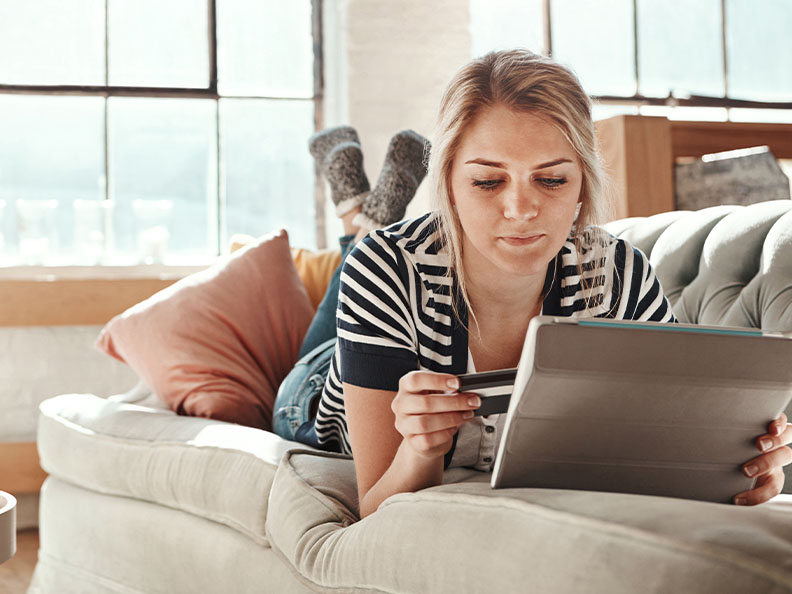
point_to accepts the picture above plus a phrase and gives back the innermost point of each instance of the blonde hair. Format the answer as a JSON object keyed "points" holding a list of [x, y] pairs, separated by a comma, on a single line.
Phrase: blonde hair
{"points": [[522, 81]]}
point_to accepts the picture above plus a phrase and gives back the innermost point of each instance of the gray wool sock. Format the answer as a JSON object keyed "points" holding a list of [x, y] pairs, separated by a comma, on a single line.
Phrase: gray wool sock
{"points": [[340, 159], [402, 173]]}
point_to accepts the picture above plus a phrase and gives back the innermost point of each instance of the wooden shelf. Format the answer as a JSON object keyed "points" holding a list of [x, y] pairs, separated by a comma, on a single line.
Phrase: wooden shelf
{"points": [[638, 153]]}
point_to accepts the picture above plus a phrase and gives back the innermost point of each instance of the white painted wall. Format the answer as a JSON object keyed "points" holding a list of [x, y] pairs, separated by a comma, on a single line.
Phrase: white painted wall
{"points": [[387, 63]]}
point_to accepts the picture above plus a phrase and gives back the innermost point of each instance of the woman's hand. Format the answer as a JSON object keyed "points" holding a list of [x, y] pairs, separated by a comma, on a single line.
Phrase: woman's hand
{"points": [[429, 411], [769, 467]]}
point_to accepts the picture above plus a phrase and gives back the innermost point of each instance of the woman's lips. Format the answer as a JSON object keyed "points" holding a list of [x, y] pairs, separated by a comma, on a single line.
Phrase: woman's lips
{"points": [[522, 239]]}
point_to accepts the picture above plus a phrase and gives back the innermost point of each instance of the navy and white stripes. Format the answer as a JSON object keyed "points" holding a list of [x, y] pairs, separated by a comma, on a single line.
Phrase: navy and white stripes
{"points": [[395, 311]]}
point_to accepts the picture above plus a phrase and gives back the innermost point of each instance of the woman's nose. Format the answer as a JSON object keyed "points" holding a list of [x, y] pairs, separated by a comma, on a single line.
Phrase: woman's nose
{"points": [[521, 204]]}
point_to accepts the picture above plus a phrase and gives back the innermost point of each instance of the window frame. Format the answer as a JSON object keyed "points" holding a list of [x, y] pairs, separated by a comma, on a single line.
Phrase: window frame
{"points": [[210, 92], [671, 101]]}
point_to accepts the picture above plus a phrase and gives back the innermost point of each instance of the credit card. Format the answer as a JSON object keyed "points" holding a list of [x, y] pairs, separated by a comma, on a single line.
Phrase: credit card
{"points": [[493, 387]]}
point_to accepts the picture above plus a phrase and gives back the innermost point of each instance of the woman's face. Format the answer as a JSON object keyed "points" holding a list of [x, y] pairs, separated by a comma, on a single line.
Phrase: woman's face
{"points": [[515, 183]]}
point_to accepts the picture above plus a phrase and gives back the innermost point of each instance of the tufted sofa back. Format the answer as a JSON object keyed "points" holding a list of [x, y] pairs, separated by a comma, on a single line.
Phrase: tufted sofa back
{"points": [[721, 266]]}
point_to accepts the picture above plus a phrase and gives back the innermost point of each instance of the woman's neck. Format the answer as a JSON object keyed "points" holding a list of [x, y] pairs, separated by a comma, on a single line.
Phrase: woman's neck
{"points": [[493, 293]]}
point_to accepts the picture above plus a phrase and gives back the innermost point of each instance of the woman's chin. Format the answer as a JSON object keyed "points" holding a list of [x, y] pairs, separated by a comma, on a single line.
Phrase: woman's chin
{"points": [[526, 266]]}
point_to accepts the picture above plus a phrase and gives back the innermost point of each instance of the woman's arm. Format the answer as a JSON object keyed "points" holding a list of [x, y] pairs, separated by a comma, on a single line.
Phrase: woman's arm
{"points": [[399, 438]]}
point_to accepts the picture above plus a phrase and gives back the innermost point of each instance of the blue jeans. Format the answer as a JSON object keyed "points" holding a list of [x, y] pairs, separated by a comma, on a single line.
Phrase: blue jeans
{"points": [[298, 395]]}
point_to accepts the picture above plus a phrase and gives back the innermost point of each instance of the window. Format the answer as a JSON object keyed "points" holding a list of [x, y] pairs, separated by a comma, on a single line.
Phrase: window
{"points": [[702, 59], [152, 131]]}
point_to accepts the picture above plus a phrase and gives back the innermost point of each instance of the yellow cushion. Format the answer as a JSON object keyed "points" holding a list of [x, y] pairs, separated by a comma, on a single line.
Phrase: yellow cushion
{"points": [[315, 269]]}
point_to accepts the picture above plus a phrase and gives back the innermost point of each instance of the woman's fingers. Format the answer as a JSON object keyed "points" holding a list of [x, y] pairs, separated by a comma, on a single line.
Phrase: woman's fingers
{"points": [[774, 440], [419, 404], [779, 426], [770, 461], [414, 424], [428, 410], [767, 486], [417, 382], [768, 468], [430, 444]]}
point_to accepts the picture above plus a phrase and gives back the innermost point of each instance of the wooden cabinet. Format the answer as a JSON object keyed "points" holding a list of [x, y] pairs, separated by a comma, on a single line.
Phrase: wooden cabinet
{"points": [[639, 153]]}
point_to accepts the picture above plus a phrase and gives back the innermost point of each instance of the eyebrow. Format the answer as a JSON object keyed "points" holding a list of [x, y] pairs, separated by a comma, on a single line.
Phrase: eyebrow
{"points": [[502, 166]]}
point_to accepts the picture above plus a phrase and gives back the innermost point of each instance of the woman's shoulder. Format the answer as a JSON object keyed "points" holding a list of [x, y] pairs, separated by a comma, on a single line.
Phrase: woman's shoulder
{"points": [[411, 235], [413, 242]]}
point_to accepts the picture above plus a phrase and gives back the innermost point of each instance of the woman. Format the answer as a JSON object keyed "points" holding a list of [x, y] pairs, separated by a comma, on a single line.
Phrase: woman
{"points": [[515, 169]]}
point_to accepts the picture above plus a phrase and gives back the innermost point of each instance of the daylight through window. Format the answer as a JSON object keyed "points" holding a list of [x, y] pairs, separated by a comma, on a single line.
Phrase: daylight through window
{"points": [[147, 131]]}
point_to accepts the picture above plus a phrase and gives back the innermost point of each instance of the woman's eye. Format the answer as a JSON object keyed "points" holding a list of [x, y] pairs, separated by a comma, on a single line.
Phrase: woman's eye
{"points": [[552, 183], [486, 184]]}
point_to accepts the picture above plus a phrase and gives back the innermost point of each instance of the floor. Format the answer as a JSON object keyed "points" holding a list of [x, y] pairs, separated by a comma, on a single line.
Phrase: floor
{"points": [[15, 574]]}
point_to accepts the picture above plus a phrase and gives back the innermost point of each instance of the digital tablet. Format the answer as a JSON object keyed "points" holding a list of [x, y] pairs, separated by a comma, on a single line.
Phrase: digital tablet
{"points": [[638, 407]]}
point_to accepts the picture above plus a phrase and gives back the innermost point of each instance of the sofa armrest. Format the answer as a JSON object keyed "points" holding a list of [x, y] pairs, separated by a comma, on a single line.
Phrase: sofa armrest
{"points": [[209, 468]]}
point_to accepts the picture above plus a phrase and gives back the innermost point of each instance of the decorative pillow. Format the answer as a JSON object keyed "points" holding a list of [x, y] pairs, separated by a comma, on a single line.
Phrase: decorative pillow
{"points": [[315, 268], [218, 343]]}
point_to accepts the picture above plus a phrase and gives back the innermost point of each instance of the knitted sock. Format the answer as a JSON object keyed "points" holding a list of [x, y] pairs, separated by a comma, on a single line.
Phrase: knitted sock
{"points": [[402, 173], [340, 159]]}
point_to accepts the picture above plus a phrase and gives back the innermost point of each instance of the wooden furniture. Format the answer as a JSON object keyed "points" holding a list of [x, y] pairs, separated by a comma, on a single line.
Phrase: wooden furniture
{"points": [[639, 153]]}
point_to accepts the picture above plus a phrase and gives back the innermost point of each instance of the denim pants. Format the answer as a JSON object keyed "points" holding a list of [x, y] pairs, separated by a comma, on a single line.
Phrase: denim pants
{"points": [[298, 395]]}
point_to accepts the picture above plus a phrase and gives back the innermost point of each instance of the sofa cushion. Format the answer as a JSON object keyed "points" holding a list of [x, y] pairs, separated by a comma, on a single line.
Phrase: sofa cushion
{"points": [[218, 343], [465, 537], [211, 469]]}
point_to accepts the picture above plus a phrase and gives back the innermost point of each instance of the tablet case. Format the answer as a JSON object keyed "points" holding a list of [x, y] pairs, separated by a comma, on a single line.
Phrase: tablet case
{"points": [[656, 409]]}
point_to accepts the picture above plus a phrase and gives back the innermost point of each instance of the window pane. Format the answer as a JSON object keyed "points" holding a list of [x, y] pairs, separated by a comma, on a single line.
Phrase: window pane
{"points": [[781, 116], [759, 49], [596, 40], [51, 42], [51, 151], [269, 173], [669, 34], [703, 114], [159, 44], [603, 112], [505, 24], [265, 47], [163, 172]]}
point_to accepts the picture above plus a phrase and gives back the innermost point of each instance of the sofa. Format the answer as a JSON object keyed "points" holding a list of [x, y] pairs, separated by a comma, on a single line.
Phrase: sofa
{"points": [[141, 500]]}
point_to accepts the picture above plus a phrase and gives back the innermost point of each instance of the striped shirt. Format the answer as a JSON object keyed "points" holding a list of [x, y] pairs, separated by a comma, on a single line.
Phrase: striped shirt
{"points": [[395, 315]]}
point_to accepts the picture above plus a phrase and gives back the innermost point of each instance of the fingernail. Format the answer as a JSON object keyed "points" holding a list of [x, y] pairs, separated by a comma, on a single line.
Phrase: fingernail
{"points": [[765, 444], [751, 470], [475, 401], [779, 429], [740, 501], [453, 383], [467, 414]]}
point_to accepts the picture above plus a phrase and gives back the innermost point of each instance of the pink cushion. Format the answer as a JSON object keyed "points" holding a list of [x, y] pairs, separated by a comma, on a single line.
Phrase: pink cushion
{"points": [[218, 343]]}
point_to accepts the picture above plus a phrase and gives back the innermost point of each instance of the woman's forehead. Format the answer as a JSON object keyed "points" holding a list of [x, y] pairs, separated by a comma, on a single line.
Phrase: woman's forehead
{"points": [[502, 134]]}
